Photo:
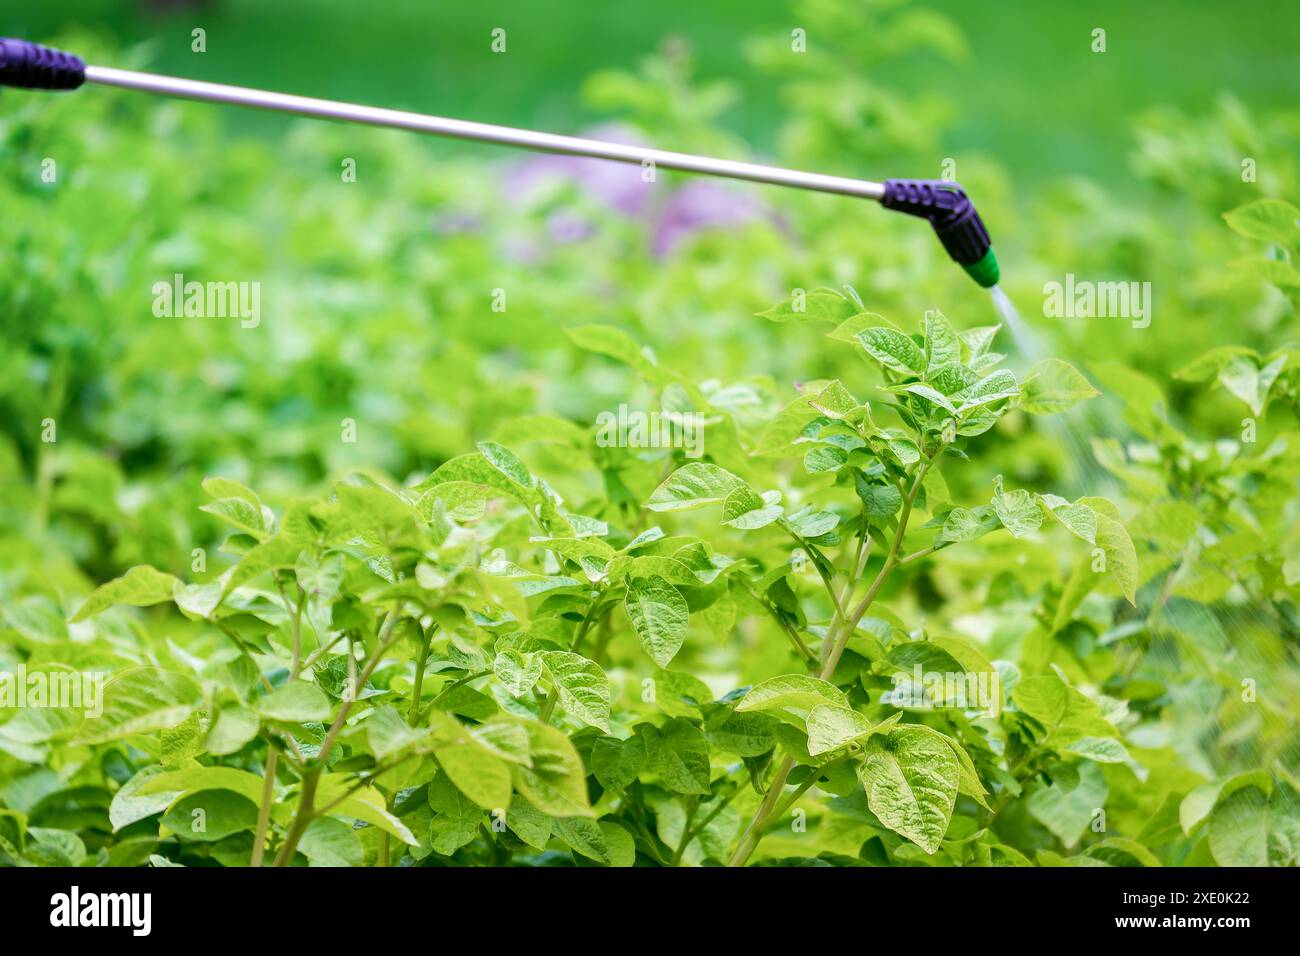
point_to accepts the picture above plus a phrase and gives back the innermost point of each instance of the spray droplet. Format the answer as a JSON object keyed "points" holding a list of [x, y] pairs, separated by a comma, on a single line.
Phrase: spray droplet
{"points": [[1028, 344], [1070, 429]]}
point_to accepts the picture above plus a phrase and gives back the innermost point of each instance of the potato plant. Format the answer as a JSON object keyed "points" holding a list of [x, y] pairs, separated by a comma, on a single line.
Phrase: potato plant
{"points": [[914, 604], [479, 669]]}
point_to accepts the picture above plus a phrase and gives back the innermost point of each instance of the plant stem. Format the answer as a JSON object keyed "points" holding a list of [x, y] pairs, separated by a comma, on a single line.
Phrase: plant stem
{"points": [[303, 818], [1014, 770], [754, 832], [807, 785], [295, 613], [917, 555], [473, 675], [860, 556], [322, 651], [366, 778], [306, 812], [686, 830], [837, 641], [553, 697], [594, 613], [695, 830], [297, 637], [650, 842], [264, 809], [493, 844], [891, 561], [790, 631], [243, 649], [417, 688], [827, 580], [386, 631], [297, 760], [548, 706]]}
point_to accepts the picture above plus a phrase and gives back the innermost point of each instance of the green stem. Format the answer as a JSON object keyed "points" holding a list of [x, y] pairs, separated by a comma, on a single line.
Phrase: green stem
{"points": [[386, 632], [785, 626], [322, 651], [493, 844], [837, 641], [264, 808], [650, 842], [474, 675], [296, 669], [417, 688], [548, 707], [586, 625], [366, 779], [303, 818], [246, 651], [1014, 770], [918, 555], [754, 832], [306, 812], [891, 561], [827, 580], [693, 831], [860, 556], [807, 785]]}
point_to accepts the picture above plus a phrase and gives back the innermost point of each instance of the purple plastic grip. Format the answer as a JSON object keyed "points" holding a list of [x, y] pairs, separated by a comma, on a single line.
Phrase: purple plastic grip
{"points": [[949, 210], [35, 67]]}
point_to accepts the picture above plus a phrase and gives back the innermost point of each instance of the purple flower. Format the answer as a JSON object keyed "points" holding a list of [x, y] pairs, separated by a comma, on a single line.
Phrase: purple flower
{"points": [[566, 226], [703, 205], [618, 185]]}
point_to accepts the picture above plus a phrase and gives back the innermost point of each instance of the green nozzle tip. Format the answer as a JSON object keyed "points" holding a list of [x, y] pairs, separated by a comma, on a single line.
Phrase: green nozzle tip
{"points": [[985, 272]]}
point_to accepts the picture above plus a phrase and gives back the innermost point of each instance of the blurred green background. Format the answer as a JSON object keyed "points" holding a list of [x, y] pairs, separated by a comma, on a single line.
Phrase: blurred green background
{"points": [[378, 303], [1117, 165], [1025, 86]]}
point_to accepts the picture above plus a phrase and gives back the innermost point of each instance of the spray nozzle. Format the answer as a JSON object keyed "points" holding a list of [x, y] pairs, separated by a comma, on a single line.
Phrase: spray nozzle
{"points": [[955, 222]]}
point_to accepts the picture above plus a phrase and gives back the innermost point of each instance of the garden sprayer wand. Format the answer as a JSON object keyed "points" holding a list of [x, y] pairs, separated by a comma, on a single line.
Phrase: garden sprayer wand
{"points": [[945, 205]]}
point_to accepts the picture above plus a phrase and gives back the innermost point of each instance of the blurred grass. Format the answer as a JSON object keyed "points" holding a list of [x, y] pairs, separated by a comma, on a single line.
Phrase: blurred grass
{"points": [[1031, 94]]}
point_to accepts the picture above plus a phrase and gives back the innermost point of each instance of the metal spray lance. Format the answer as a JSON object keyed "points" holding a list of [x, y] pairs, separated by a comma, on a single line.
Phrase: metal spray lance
{"points": [[946, 205]]}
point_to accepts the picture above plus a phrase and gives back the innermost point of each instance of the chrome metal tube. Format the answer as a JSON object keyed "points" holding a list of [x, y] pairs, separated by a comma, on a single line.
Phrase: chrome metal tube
{"points": [[480, 132]]}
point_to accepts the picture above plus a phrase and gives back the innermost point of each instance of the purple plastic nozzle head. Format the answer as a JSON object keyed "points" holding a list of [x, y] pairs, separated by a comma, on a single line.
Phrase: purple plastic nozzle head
{"points": [[954, 219], [35, 67]]}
